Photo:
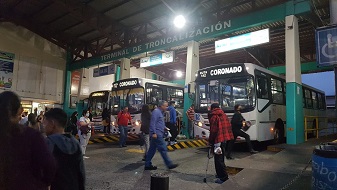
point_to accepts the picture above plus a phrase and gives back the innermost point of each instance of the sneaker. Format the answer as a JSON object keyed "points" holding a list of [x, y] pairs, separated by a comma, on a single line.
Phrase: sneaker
{"points": [[86, 157], [229, 158], [219, 181], [172, 143], [125, 146], [173, 166], [150, 167], [143, 159]]}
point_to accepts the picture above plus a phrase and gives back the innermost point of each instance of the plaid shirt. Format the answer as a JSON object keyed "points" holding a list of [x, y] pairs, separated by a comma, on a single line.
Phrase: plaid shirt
{"points": [[220, 128]]}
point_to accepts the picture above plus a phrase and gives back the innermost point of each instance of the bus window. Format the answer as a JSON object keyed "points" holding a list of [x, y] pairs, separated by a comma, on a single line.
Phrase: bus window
{"points": [[262, 87], [153, 95], [135, 99], [276, 91], [308, 99], [314, 100], [213, 91], [176, 95]]}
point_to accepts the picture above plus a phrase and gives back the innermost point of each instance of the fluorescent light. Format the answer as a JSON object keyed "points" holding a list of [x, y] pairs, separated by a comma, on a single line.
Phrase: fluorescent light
{"points": [[179, 21]]}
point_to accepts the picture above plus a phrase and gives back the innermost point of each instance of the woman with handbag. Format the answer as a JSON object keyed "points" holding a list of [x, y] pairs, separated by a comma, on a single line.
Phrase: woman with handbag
{"points": [[145, 127], [238, 123], [84, 131]]}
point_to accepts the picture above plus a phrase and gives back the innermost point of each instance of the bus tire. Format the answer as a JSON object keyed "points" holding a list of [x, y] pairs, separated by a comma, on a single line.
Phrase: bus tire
{"points": [[279, 132]]}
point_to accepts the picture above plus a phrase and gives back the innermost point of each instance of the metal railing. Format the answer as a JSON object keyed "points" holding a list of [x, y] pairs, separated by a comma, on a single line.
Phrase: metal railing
{"points": [[317, 126]]}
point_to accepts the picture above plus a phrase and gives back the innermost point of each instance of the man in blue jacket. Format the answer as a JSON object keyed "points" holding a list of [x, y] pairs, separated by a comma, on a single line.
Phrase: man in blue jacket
{"points": [[157, 129], [172, 125]]}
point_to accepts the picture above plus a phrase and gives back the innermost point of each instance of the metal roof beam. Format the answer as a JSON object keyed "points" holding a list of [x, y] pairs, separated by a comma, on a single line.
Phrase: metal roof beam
{"points": [[84, 13], [138, 12], [57, 18], [115, 6]]}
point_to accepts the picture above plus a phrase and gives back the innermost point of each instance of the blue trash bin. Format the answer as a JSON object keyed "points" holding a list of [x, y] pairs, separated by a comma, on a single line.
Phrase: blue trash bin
{"points": [[324, 167]]}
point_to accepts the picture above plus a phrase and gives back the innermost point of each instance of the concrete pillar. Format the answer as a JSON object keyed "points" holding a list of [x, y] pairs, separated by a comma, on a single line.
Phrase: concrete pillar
{"points": [[125, 68], [192, 65], [294, 95], [67, 85]]}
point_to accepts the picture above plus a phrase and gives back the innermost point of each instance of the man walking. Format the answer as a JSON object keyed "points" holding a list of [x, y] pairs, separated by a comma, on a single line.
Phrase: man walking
{"points": [[123, 118], [157, 128], [220, 132], [172, 125], [66, 150]]}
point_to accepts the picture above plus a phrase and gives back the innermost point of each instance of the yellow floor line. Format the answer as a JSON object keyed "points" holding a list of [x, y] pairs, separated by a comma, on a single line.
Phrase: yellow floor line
{"points": [[170, 148], [98, 140], [202, 143], [114, 138], [107, 139], [190, 143], [196, 142], [177, 146], [183, 144]]}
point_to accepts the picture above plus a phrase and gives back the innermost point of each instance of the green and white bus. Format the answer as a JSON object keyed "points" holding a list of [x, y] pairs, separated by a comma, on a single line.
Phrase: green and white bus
{"points": [[261, 93]]}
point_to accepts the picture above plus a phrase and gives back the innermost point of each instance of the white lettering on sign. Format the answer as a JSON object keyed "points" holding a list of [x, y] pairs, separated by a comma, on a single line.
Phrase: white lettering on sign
{"points": [[128, 83], [184, 36], [327, 177], [226, 70], [98, 94], [203, 73]]}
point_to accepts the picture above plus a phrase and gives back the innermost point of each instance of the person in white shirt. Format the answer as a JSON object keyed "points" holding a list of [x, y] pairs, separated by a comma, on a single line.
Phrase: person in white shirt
{"points": [[84, 131], [24, 118]]}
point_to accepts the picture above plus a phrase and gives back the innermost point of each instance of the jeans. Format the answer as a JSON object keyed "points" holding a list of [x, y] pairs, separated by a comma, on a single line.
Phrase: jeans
{"points": [[240, 133], [158, 143], [107, 129], [219, 162], [84, 140], [123, 132], [147, 142]]}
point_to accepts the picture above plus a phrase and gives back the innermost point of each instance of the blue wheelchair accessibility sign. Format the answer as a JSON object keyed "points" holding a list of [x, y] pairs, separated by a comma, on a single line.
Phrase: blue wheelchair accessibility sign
{"points": [[326, 46]]}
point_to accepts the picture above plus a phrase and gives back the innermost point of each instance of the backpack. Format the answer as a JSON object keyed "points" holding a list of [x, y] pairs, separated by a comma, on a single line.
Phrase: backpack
{"points": [[167, 116]]}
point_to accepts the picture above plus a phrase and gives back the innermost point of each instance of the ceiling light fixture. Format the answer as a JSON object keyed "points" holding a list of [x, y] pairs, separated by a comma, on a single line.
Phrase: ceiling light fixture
{"points": [[179, 21], [179, 74]]}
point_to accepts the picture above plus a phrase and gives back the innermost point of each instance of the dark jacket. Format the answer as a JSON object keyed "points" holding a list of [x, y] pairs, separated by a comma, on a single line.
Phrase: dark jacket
{"points": [[145, 126], [32, 166], [237, 120], [70, 172], [220, 128]]}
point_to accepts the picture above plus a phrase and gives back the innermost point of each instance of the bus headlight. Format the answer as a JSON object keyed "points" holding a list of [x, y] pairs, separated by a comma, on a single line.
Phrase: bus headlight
{"points": [[113, 123], [137, 122], [199, 123]]}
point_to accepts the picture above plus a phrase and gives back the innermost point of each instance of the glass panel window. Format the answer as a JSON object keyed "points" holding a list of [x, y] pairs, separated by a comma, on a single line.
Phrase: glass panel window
{"points": [[314, 100], [227, 92], [262, 87], [308, 99], [153, 95], [176, 95], [276, 91]]}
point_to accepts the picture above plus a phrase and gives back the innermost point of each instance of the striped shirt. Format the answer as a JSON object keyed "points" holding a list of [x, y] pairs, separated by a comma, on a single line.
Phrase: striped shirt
{"points": [[190, 113]]}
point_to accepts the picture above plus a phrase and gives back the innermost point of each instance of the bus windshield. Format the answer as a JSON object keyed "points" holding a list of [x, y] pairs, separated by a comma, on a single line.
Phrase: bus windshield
{"points": [[227, 92], [132, 97], [97, 104]]}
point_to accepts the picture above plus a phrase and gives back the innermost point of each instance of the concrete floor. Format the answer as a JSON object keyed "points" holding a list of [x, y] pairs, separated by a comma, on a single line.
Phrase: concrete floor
{"points": [[110, 167]]}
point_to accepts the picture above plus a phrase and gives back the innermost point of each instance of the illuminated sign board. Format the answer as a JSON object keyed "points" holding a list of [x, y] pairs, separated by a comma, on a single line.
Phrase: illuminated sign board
{"points": [[166, 57], [102, 71], [132, 82], [98, 94], [221, 71], [241, 41]]}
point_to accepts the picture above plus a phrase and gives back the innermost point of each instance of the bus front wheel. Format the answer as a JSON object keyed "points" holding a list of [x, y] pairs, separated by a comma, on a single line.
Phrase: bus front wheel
{"points": [[279, 132]]}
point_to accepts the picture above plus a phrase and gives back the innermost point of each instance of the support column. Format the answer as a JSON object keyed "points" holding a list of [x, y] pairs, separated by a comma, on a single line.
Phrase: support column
{"points": [[192, 66], [125, 68], [294, 95], [117, 73], [67, 86], [333, 21], [154, 76]]}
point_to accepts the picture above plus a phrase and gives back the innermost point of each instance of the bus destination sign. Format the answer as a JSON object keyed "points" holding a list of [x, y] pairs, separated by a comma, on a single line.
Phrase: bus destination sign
{"points": [[132, 82], [220, 71]]}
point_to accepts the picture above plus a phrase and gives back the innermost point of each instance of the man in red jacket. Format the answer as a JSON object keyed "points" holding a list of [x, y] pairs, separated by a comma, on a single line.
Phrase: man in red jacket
{"points": [[220, 132]]}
